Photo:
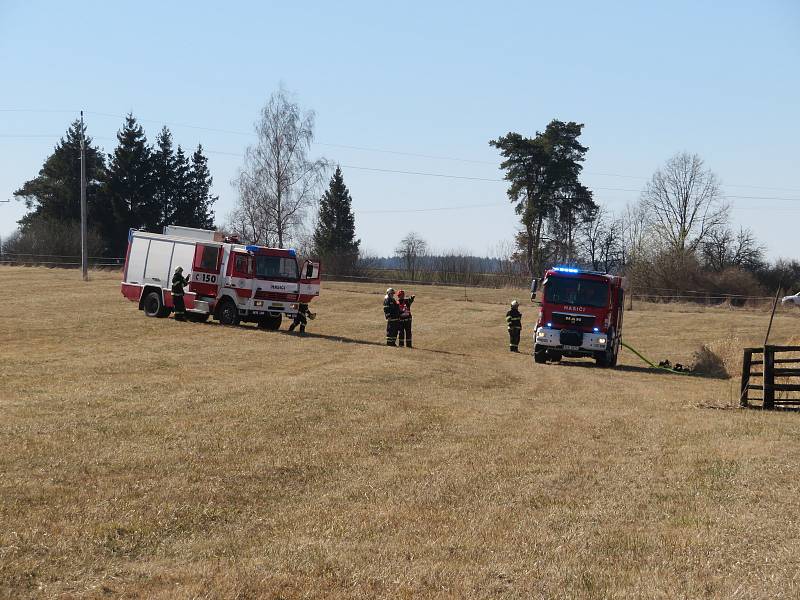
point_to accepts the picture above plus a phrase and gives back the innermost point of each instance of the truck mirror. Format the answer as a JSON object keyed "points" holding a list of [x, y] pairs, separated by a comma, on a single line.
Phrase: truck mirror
{"points": [[534, 287]]}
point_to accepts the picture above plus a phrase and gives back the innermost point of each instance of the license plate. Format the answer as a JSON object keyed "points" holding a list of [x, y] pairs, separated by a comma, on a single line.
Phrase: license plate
{"points": [[571, 347], [277, 305]]}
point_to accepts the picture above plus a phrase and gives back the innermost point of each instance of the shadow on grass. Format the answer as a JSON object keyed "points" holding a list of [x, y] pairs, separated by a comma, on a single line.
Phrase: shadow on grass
{"points": [[310, 334], [638, 369], [349, 340], [330, 338]]}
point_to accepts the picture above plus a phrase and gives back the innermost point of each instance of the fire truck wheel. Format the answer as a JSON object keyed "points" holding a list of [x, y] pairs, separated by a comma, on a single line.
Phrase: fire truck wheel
{"points": [[270, 322], [553, 356], [228, 313], [608, 357], [539, 355], [614, 356], [153, 306]]}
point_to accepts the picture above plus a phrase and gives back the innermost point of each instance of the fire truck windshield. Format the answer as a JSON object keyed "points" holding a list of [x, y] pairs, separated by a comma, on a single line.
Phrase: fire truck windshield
{"points": [[268, 267], [576, 292]]}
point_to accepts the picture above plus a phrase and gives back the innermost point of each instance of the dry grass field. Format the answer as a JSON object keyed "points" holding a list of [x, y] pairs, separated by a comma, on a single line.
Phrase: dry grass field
{"points": [[157, 459]]}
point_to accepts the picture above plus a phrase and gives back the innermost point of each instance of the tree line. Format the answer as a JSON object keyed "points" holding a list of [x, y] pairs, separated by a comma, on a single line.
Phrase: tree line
{"points": [[676, 239], [138, 185]]}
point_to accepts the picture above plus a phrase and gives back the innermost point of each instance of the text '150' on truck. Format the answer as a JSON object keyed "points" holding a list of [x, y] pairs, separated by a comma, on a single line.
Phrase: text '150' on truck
{"points": [[228, 281], [581, 315]]}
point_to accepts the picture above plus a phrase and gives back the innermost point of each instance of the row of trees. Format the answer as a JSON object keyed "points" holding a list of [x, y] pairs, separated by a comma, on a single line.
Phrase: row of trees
{"points": [[149, 187], [137, 186], [677, 237]]}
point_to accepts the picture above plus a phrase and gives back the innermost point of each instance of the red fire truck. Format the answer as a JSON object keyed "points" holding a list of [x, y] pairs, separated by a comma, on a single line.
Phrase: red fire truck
{"points": [[580, 315], [228, 281]]}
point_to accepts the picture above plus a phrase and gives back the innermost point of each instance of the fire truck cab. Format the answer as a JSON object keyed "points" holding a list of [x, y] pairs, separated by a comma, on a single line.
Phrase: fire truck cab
{"points": [[228, 281], [581, 315]]}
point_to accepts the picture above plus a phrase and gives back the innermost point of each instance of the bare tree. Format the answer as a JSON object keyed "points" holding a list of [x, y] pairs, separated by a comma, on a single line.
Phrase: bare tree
{"points": [[249, 219], [591, 235], [723, 248], [635, 233], [684, 202], [411, 250], [278, 182], [601, 239]]}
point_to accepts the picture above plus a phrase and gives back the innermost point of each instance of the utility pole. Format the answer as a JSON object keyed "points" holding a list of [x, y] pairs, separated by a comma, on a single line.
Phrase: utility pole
{"points": [[84, 249], [1, 239]]}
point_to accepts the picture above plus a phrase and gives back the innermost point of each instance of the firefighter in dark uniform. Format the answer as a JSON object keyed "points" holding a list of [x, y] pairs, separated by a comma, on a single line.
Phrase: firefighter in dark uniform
{"points": [[391, 312], [514, 321], [300, 318], [178, 281], [404, 324]]}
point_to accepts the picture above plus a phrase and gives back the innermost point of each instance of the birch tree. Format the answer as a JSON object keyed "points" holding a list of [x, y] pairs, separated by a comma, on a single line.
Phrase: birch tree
{"points": [[278, 181]]}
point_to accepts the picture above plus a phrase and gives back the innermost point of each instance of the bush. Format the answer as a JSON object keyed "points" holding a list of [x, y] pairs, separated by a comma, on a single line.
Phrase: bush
{"points": [[51, 242]]}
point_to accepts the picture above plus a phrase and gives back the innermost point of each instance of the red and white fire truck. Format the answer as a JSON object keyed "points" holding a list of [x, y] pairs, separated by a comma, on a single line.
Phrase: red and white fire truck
{"points": [[229, 281], [580, 315]]}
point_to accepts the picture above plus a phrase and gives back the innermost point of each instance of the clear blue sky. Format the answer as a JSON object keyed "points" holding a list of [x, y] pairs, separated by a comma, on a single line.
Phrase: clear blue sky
{"points": [[721, 79]]}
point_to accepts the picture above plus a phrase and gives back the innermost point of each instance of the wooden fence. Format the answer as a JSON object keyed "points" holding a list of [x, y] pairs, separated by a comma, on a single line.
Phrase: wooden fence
{"points": [[784, 392]]}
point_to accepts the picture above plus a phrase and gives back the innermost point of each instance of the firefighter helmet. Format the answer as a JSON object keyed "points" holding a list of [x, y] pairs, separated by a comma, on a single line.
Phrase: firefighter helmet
{"points": [[514, 303], [179, 269], [390, 291], [401, 294]]}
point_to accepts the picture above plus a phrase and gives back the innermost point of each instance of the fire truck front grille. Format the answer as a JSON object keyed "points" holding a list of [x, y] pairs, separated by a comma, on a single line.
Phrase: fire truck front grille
{"points": [[571, 338], [280, 296], [571, 320]]}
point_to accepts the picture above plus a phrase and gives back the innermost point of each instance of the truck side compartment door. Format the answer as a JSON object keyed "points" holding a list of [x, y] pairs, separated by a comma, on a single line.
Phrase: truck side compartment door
{"points": [[205, 269], [240, 276], [309, 281]]}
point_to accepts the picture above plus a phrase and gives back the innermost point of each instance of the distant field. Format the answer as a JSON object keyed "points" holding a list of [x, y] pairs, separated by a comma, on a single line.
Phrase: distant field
{"points": [[152, 458]]}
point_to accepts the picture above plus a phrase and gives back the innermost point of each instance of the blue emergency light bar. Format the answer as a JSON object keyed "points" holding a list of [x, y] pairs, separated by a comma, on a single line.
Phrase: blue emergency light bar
{"points": [[253, 248], [575, 271]]}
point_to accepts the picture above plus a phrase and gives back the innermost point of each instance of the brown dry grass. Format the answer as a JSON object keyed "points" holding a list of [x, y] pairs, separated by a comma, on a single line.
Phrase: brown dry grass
{"points": [[150, 458]]}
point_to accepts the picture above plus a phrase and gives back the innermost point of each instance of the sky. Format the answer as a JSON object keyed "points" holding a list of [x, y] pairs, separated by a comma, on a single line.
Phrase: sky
{"points": [[422, 87]]}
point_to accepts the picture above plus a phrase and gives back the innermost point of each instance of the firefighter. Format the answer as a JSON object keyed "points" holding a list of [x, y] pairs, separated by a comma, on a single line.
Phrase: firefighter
{"points": [[300, 318], [391, 312], [514, 321], [178, 281], [404, 324]]}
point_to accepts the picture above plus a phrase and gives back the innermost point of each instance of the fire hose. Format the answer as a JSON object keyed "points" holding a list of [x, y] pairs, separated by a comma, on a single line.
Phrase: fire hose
{"points": [[663, 365]]}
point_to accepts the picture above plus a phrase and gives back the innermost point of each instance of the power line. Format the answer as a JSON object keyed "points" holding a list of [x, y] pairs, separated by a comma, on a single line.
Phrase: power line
{"points": [[358, 148], [436, 209], [444, 175], [494, 179]]}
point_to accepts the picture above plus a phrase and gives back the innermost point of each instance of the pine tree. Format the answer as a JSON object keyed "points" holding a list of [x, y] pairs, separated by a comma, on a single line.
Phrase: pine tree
{"points": [[54, 195], [164, 166], [200, 182], [130, 186], [334, 238], [183, 208]]}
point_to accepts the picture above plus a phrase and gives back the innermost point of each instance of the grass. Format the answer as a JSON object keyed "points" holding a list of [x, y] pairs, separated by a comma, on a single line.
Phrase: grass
{"points": [[151, 458]]}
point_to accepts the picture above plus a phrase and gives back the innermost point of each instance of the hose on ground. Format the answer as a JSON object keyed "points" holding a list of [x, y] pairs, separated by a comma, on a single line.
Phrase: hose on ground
{"points": [[652, 364]]}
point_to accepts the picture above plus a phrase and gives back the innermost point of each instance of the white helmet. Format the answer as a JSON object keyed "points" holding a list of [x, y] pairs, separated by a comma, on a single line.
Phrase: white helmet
{"points": [[514, 303], [179, 269], [390, 291]]}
